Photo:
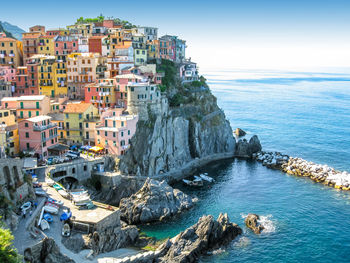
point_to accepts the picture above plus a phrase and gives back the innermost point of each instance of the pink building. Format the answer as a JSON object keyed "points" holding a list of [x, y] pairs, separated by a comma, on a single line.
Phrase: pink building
{"points": [[8, 73], [65, 45], [37, 135], [115, 131]]}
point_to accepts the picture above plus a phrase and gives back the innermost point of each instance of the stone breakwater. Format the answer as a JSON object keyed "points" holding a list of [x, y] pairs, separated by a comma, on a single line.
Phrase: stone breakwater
{"points": [[300, 167]]}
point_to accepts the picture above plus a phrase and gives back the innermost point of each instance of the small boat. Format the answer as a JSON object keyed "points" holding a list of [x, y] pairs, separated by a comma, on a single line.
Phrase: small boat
{"points": [[52, 205], [54, 201], [207, 178], [63, 193], [49, 181], [57, 187], [65, 216], [40, 192], [26, 206], [66, 230], [51, 209], [195, 182], [44, 225], [48, 218]]}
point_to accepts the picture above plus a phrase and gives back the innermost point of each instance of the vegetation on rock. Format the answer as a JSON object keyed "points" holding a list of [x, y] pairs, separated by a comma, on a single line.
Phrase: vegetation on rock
{"points": [[7, 253], [101, 18]]}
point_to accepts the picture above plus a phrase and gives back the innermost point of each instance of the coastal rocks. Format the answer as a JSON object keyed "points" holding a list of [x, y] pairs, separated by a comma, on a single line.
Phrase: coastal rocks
{"points": [[251, 221], [154, 201], [247, 149], [206, 235], [239, 132], [273, 160], [113, 238], [46, 251], [76, 242]]}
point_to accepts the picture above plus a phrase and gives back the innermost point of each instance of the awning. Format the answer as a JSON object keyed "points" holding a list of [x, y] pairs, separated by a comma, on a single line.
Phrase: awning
{"points": [[30, 163], [58, 147], [96, 149]]}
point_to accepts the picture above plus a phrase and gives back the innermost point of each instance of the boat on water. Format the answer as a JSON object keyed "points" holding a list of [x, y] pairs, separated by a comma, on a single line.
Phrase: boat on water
{"points": [[207, 178], [66, 230], [44, 225], [195, 182]]}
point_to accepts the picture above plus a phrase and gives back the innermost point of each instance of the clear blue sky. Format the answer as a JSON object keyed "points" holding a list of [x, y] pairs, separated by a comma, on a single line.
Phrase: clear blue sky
{"points": [[245, 33]]}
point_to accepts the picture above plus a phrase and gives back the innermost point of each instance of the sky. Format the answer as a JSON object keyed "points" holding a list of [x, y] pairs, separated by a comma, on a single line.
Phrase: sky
{"points": [[236, 34]]}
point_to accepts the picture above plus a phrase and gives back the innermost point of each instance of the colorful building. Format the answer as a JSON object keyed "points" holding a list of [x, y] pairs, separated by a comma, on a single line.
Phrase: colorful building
{"points": [[11, 52], [46, 45], [37, 135], [81, 71], [5, 88], [115, 131], [101, 94], [8, 73], [64, 45], [9, 138], [75, 116], [30, 106], [30, 44], [150, 33]]}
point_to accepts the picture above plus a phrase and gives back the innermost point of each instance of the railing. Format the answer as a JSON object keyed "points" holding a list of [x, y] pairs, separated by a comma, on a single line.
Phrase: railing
{"points": [[49, 138], [44, 127]]}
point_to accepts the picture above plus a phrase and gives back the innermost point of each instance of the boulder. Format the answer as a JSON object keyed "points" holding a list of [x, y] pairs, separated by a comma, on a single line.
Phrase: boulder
{"points": [[153, 202], [247, 149], [239, 132], [46, 251], [251, 222], [206, 235], [76, 242]]}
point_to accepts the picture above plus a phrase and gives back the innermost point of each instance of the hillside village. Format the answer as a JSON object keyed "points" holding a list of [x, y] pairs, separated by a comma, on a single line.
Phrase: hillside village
{"points": [[82, 86]]}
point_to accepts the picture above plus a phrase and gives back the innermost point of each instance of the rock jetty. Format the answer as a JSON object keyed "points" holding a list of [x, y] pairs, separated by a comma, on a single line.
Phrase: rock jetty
{"points": [[206, 235], [155, 201], [246, 149], [252, 222], [300, 167]]}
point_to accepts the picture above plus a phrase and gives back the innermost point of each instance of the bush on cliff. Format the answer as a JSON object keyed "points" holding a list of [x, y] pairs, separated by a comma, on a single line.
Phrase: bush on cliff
{"points": [[7, 253]]}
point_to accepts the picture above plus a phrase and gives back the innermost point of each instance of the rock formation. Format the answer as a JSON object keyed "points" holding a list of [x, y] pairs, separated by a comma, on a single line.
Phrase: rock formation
{"points": [[206, 235], [251, 222], [186, 125], [239, 132], [46, 251], [247, 149], [154, 201]]}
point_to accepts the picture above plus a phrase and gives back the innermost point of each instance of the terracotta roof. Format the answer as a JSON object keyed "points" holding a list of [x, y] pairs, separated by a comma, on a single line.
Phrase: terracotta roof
{"points": [[30, 36], [7, 39], [77, 107], [97, 37]]}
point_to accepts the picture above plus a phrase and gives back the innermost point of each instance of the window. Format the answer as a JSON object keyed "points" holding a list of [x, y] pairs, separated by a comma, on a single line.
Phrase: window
{"points": [[28, 145], [114, 121], [73, 170], [113, 134], [80, 116], [80, 125], [26, 125], [122, 124], [85, 167], [67, 116], [98, 132], [37, 113], [10, 133], [128, 132], [27, 134], [87, 125], [29, 114], [52, 141], [37, 105], [6, 114], [122, 134], [21, 114], [106, 133], [67, 133], [21, 105]]}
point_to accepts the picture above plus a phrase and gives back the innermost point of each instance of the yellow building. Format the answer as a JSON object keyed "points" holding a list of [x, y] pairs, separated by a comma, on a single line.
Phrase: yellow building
{"points": [[76, 115], [58, 118], [52, 76], [152, 49], [46, 45], [11, 52], [9, 138], [84, 30]]}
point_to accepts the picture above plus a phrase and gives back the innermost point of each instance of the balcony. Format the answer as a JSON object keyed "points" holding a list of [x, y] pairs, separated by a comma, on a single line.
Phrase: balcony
{"points": [[49, 138], [44, 127]]}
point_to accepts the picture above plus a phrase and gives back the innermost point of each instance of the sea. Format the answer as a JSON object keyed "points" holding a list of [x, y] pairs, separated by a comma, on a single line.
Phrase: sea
{"points": [[302, 114]]}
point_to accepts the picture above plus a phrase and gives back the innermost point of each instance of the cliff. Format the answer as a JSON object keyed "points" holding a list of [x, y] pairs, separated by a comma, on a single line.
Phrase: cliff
{"points": [[186, 126]]}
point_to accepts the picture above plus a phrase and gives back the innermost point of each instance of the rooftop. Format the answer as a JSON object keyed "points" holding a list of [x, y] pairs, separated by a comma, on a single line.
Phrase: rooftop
{"points": [[7, 39], [77, 107], [129, 76], [39, 118], [30, 98]]}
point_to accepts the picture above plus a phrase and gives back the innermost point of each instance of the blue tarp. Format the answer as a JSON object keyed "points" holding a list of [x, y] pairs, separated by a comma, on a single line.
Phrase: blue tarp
{"points": [[65, 216]]}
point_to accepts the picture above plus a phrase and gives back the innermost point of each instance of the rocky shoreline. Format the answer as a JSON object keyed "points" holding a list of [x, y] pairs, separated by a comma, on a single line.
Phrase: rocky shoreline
{"points": [[302, 168]]}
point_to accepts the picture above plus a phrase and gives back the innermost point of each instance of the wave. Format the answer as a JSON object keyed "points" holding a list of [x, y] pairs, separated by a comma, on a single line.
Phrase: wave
{"points": [[267, 223], [241, 242]]}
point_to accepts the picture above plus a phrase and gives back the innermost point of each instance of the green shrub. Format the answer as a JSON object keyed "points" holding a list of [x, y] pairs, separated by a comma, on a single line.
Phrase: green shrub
{"points": [[8, 253]]}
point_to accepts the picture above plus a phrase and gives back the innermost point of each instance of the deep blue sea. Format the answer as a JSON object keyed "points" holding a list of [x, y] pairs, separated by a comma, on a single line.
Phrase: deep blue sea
{"points": [[297, 113]]}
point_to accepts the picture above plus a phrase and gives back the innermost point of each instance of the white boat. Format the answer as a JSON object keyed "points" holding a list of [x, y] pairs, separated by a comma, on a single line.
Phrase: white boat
{"points": [[188, 182], [63, 193], [40, 192], [195, 182], [66, 230], [54, 201], [44, 225], [26, 206], [81, 200], [49, 181], [51, 209], [207, 178]]}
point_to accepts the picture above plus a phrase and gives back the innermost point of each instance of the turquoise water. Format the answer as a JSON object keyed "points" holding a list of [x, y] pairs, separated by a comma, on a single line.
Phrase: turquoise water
{"points": [[301, 114]]}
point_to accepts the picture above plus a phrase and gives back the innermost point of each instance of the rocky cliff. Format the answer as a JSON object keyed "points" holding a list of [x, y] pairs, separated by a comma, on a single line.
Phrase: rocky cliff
{"points": [[187, 125], [154, 201]]}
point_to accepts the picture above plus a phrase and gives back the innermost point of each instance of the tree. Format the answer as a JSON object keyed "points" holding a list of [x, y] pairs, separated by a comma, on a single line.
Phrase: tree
{"points": [[8, 253]]}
